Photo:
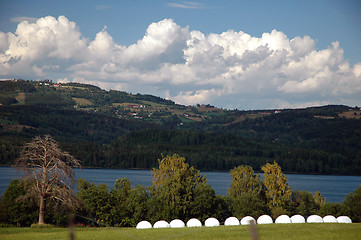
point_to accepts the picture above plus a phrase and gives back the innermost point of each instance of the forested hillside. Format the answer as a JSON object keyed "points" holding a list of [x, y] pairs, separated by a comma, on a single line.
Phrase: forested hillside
{"points": [[116, 129]]}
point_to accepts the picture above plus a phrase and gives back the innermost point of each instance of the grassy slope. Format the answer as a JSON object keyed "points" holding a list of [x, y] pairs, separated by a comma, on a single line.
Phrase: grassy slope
{"points": [[287, 231], [82, 101]]}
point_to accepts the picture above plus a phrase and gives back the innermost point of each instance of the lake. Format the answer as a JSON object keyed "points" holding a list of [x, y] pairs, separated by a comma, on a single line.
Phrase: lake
{"points": [[333, 188]]}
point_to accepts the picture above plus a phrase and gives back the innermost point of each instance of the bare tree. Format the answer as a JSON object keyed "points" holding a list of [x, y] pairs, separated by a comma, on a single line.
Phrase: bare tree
{"points": [[50, 171]]}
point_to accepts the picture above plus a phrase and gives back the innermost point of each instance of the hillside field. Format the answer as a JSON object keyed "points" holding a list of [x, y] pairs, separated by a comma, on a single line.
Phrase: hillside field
{"points": [[273, 231]]}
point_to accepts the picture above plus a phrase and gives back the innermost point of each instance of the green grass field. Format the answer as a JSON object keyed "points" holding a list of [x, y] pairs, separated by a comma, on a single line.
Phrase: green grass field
{"points": [[273, 231], [21, 98], [82, 101]]}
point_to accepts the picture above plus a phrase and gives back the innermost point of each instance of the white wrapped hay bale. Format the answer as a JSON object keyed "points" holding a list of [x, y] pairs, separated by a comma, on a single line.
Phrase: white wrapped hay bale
{"points": [[194, 222], [211, 222], [264, 219], [298, 219], [247, 220], [314, 219], [329, 219], [344, 219], [144, 225], [283, 219], [231, 221], [177, 223], [161, 224]]}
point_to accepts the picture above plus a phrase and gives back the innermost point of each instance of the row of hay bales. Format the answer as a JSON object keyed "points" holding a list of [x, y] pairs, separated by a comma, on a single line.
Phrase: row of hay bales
{"points": [[233, 221]]}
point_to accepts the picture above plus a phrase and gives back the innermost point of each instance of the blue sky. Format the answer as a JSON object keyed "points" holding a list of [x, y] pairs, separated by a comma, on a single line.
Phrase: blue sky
{"points": [[232, 54]]}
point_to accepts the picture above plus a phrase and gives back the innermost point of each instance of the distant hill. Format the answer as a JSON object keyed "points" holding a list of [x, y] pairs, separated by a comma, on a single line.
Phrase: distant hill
{"points": [[115, 129]]}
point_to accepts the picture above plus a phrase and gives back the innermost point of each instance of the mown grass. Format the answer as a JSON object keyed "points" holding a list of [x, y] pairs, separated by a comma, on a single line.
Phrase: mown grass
{"points": [[273, 231]]}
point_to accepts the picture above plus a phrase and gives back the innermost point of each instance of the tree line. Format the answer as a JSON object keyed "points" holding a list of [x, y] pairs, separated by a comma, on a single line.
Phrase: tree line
{"points": [[178, 191], [205, 151], [99, 140], [220, 151]]}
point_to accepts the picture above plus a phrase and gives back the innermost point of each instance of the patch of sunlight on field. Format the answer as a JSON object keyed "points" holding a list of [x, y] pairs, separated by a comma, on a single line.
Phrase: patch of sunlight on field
{"points": [[154, 104], [82, 101], [21, 98], [351, 114]]}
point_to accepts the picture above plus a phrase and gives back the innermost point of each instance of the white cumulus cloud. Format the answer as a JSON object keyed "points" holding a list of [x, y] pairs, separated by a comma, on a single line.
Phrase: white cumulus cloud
{"points": [[231, 69]]}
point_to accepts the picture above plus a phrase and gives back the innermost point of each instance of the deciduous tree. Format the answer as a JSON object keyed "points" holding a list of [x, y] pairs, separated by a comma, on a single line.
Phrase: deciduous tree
{"points": [[319, 200], [245, 193], [137, 205], [50, 171], [352, 205], [14, 209], [331, 208], [129, 205], [303, 203], [244, 180], [95, 201], [123, 206], [277, 190], [173, 188]]}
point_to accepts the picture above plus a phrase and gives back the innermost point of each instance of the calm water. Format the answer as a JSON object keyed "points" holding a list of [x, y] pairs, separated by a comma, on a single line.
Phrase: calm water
{"points": [[333, 188]]}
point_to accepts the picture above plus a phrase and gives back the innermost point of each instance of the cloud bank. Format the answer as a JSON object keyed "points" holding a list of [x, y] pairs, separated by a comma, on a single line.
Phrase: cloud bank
{"points": [[231, 69]]}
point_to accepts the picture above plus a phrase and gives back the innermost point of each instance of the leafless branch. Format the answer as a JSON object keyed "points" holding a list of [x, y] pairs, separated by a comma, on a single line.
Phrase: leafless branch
{"points": [[50, 169]]}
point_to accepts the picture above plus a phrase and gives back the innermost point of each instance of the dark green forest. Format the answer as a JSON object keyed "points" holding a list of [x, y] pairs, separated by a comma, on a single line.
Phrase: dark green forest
{"points": [[114, 129]]}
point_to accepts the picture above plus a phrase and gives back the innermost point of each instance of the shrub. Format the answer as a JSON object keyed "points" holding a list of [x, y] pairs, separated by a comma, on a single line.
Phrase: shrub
{"points": [[334, 209], [352, 205]]}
